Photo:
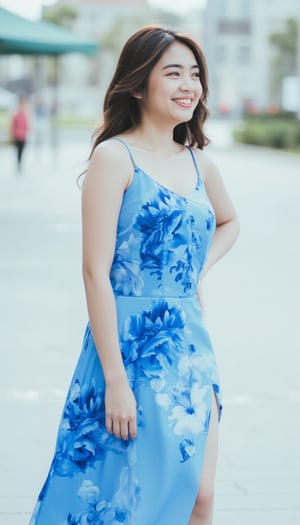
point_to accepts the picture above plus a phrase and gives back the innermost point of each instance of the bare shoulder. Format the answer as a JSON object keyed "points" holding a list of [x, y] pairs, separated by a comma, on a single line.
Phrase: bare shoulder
{"points": [[110, 159], [208, 169]]}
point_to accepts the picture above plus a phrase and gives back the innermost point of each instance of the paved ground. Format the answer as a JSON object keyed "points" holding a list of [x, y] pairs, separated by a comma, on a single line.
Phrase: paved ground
{"points": [[252, 306]]}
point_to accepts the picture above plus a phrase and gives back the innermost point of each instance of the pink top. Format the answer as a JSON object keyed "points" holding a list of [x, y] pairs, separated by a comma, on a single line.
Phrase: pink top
{"points": [[19, 125]]}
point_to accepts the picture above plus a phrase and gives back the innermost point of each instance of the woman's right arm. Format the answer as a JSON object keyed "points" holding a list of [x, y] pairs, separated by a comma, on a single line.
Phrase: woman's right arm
{"points": [[102, 194]]}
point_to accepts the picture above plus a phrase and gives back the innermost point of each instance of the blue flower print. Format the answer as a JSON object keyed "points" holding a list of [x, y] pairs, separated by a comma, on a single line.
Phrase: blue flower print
{"points": [[187, 450], [210, 221], [95, 507], [152, 340], [125, 274], [120, 510], [161, 224], [183, 271], [196, 238], [82, 437]]}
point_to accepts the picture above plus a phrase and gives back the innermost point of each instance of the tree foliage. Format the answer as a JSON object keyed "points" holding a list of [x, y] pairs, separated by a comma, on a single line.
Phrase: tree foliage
{"points": [[60, 14], [285, 43], [123, 26]]}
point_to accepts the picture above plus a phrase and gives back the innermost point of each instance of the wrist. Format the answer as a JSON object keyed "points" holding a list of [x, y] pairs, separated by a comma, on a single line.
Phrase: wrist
{"points": [[116, 378]]}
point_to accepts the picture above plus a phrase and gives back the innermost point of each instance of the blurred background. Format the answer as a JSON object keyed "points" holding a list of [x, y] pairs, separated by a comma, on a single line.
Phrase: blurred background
{"points": [[62, 70], [251, 48]]}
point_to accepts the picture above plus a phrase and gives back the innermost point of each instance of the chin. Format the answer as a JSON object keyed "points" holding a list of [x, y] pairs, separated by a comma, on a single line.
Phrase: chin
{"points": [[183, 119], [185, 115]]}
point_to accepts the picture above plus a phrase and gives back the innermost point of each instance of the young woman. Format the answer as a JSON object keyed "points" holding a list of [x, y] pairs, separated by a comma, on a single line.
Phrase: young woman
{"points": [[19, 128], [137, 442]]}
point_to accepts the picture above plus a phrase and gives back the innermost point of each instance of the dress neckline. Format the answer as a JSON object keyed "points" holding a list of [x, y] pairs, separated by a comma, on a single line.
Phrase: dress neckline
{"points": [[154, 181], [165, 188]]}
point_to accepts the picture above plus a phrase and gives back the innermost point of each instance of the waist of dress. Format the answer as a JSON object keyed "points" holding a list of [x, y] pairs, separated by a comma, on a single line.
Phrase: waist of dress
{"points": [[163, 296]]}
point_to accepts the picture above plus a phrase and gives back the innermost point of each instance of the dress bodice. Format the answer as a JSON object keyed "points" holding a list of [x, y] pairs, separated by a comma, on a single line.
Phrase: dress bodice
{"points": [[162, 238]]}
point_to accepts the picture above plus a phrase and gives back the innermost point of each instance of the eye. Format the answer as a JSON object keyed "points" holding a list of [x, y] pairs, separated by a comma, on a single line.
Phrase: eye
{"points": [[173, 74], [196, 74]]}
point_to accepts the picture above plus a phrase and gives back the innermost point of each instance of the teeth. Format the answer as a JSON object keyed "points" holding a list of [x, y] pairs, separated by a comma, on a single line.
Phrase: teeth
{"points": [[183, 100]]}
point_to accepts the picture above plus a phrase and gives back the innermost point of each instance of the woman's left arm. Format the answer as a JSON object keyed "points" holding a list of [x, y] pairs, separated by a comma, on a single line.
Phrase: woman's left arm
{"points": [[227, 224]]}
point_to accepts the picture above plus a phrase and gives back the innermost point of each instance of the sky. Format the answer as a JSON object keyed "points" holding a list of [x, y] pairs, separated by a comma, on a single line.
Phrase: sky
{"points": [[32, 8]]}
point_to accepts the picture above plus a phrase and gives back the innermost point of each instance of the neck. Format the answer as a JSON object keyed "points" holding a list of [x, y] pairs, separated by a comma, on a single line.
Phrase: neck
{"points": [[155, 138]]}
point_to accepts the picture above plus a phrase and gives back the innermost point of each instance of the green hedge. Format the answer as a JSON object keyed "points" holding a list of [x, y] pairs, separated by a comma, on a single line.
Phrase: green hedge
{"points": [[279, 115], [4, 119], [272, 132]]}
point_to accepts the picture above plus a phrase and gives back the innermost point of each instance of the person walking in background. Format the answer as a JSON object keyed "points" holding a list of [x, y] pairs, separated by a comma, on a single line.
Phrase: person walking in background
{"points": [[137, 442], [19, 129]]}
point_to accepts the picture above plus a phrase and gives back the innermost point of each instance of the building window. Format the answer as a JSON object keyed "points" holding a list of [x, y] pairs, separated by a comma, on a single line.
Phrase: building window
{"points": [[234, 27]]}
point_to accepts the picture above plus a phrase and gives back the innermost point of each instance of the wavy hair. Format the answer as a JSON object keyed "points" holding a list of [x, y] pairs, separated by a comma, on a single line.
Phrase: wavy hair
{"points": [[121, 110]]}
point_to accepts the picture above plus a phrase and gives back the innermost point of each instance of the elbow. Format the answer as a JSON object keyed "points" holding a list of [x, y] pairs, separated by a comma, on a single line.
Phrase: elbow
{"points": [[89, 274], [93, 276], [86, 273], [232, 228]]}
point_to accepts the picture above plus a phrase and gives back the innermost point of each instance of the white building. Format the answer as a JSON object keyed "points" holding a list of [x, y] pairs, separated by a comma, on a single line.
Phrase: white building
{"points": [[239, 53], [83, 79]]}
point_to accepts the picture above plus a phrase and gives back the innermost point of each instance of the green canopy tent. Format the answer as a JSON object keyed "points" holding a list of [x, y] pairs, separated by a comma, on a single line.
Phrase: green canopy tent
{"points": [[21, 36], [24, 37]]}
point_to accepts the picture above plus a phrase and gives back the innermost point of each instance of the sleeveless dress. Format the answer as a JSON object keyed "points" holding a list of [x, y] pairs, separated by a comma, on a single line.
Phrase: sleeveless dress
{"points": [[95, 478]]}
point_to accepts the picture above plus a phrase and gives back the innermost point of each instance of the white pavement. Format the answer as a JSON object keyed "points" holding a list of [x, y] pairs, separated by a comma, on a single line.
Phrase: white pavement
{"points": [[252, 310]]}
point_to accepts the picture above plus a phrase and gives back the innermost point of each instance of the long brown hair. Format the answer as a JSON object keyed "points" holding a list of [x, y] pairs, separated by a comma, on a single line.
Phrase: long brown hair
{"points": [[121, 110]]}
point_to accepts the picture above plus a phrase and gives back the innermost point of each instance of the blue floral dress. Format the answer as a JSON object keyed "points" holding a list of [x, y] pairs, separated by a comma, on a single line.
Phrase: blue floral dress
{"points": [[161, 247]]}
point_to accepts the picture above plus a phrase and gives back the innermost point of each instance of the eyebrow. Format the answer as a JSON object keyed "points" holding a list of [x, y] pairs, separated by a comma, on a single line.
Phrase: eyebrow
{"points": [[180, 66]]}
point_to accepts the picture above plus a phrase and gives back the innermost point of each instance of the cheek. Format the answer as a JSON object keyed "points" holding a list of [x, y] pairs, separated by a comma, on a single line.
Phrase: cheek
{"points": [[199, 91]]}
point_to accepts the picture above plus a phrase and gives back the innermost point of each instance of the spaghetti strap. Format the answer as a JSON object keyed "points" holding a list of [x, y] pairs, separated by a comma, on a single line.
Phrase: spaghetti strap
{"points": [[128, 149], [195, 164]]}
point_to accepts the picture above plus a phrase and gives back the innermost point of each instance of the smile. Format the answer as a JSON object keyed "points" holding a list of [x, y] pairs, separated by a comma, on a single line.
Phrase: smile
{"points": [[185, 102]]}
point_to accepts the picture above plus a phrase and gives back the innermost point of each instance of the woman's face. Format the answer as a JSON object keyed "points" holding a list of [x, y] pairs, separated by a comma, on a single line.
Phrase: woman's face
{"points": [[174, 87]]}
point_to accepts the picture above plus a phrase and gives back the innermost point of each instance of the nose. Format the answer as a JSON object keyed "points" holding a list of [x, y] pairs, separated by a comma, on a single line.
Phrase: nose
{"points": [[186, 83]]}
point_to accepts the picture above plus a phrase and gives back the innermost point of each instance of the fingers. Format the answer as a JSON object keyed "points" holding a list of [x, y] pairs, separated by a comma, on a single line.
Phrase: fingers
{"points": [[109, 424], [132, 427], [128, 429], [125, 428], [120, 411]]}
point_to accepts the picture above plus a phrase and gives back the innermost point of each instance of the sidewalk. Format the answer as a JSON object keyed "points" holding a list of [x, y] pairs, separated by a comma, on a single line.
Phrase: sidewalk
{"points": [[252, 305]]}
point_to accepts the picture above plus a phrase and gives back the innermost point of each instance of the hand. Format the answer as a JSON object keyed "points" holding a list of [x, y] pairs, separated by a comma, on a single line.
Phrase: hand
{"points": [[120, 410]]}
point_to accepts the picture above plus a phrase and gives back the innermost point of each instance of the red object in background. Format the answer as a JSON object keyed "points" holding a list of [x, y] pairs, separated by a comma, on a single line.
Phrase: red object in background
{"points": [[19, 125]]}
